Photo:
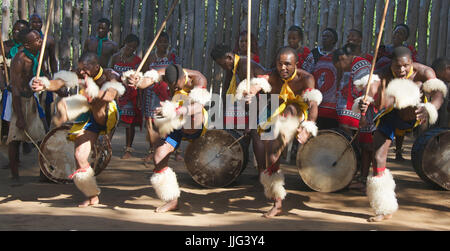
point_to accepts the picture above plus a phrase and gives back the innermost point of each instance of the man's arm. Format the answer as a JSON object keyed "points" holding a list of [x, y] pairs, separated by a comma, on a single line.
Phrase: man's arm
{"points": [[52, 55], [308, 85]]}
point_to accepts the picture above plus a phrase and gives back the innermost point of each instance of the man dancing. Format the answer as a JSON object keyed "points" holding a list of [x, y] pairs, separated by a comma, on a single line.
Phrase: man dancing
{"points": [[94, 111], [404, 107]]}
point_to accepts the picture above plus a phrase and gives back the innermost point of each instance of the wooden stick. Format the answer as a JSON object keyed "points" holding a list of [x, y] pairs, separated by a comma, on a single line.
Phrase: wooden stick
{"points": [[249, 43], [4, 59], [147, 54], [380, 34], [44, 42]]}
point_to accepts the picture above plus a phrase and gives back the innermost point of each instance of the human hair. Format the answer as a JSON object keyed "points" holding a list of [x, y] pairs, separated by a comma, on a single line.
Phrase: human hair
{"points": [[406, 28], [357, 32], [254, 43], [23, 34], [287, 50], [401, 51], [219, 51], [297, 29], [440, 64], [333, 31], [35, 15], [165, 35], [130, 39], [88, 58], [173, 73], [104, 21], [348, 50], [24, 22]]}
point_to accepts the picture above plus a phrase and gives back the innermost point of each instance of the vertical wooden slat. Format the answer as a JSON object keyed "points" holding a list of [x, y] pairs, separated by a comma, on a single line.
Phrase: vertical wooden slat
{"points": [[358, 11], [389, 23], [368, 33], [162, 10], [447, 53], [210, 40], [341, 19], [23, 9], [96, 7], [323, 15], [85, 32], [106, 10], [76, 30], [141, 32], [282, 17], [15, 7], [182, 30], [401, 11], [333, 14], [290, 11], [175, 23], [189, 41], [313, 28], [135, 17], [150, 23], [307, 24], [66, 36], [271, 31], [422, 30], [434, 31], [5, 18], [262, 40], [228, 20], [443, 25], [116, 21], [40, 10], [236, 27], [348, 22], [413, 20], [199, 37], [256, 5]]}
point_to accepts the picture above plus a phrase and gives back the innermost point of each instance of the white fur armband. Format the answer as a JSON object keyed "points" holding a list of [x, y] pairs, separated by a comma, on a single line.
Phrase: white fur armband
{"points": [[405, 92], [44, 80], [169, 120], [75, 106], [130, 73], [261, 82], [70, 78], [432, 112], [355, 107], [361, 83], [92, 88], [435, 85], [200, 95], [114, 85], [153, 75], [310, 127], [313, 95]]}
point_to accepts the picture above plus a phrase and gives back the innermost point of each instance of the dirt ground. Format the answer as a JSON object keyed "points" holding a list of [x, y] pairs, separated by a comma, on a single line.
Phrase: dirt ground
{"points": [[128, 201]]}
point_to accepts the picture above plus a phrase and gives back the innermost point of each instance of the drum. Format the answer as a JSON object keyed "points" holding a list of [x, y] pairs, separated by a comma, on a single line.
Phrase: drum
{"points": [[430, 156], [59, 151], [216, 159], [315, 161]]}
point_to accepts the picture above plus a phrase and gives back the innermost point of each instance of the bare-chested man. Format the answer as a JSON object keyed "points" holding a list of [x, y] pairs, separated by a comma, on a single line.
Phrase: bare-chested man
{"points": [[404, 108], [27, 113], [235, 67], [188, 88], [100, 44], [295, 116], [94, 110]]}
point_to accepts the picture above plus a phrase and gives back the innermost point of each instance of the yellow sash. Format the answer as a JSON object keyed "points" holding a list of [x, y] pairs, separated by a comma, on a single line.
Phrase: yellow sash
{"points": [[289, 97], [180, 100], [233, 84], [411, 72]]}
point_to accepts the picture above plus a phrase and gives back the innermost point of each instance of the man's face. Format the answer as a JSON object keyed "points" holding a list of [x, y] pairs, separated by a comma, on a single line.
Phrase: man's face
{"points": [[36, 23], [243, 43], [102, 30], [129, 48], [286, 65], [354, 38], [16, 30], [33, 41], [227, 62], [399, 36], [328, 39], [402, 66], [87, 70]]}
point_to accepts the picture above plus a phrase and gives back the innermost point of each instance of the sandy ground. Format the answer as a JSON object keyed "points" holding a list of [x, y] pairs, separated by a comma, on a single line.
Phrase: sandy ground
{"points": [[128, 201]]}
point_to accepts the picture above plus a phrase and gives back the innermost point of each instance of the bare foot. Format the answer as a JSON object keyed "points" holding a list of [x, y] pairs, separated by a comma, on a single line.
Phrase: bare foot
{"points": [[90, 202], [127, 155], [275, 210], [149, 157], [379, 218], [169, 206]]}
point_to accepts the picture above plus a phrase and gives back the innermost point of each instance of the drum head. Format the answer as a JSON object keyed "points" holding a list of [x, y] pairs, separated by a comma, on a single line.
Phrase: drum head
{"points": [[59, 151], [315, 162], [211, 162]]}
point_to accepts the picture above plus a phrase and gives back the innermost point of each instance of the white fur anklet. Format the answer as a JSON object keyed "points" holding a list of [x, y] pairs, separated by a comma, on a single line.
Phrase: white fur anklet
{"points": [[166, 185], [273, 185], [85, 181], [381, 193]]}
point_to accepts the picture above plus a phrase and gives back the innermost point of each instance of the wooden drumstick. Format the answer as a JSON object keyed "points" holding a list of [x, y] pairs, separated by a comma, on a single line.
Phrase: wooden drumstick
{"points": [[372, 69], [147, 54], [44, 42], [39, 150], [4, 59]]}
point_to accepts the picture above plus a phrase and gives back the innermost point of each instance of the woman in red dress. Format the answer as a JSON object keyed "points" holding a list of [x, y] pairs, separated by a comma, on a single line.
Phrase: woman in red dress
{"points": [[295, 40], [129, 103], [241, 46]]}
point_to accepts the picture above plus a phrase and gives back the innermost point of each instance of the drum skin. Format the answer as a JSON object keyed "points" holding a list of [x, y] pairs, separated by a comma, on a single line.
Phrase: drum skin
{"points": [[315, 161], [209, 161], [60, 153], [430, 156]]}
